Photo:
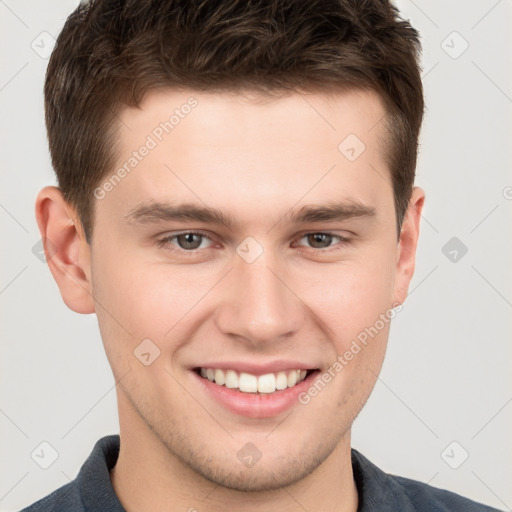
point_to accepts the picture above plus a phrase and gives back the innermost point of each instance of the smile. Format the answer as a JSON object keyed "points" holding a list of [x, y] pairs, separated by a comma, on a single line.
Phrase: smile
{"points": [[254, 389], [249, 383]]}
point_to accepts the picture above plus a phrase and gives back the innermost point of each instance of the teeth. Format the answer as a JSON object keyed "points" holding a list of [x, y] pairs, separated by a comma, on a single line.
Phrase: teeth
{"points": [[292, 378], [281, 380], [267, 383], [231, 379], [248, 383], [219, 377]]}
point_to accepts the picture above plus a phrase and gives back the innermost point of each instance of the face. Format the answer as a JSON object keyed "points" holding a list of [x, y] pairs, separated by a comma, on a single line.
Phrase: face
{"points": [[236, 265]]}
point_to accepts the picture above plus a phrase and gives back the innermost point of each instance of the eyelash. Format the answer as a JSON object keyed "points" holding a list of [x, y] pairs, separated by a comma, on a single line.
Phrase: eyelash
{"points": [[166, 242]]}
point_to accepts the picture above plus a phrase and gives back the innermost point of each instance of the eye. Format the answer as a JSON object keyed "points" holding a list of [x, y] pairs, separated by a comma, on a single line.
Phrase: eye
{"points": [[192, 241], [322, 240], [188, 241]]}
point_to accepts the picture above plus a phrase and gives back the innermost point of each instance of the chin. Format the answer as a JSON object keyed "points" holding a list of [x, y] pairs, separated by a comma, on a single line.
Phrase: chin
{"points": [[225, 467], [260, 478]]}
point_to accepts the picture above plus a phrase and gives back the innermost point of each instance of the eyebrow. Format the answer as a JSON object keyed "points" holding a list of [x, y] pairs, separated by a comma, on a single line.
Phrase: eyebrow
{"points": [[155, 212]]}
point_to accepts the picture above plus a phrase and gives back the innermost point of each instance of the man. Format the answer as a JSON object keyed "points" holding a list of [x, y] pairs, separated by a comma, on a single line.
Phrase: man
{"points": [[236, 203]]}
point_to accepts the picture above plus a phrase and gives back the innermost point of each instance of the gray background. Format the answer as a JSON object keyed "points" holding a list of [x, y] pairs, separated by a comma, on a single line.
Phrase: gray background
{"points": [[447, 376]]}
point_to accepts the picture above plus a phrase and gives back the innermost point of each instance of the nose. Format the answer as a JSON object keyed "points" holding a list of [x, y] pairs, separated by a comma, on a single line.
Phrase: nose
{"points": [[259, 305]]}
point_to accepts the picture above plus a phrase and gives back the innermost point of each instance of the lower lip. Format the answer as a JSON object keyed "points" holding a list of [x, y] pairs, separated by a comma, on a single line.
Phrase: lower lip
{"points": [[254, 405]]}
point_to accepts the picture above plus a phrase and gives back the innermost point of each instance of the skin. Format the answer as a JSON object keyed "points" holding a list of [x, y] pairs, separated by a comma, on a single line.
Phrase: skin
{"points": [[257, 159]]}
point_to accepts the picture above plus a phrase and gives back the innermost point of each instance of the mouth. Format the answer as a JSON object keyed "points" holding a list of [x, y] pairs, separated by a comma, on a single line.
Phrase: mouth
{"points": [[254, 388], [266, 384]]}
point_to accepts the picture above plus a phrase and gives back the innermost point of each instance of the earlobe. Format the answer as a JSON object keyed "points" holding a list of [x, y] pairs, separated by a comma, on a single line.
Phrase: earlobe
{"points": [[67, 252], [406, 255]]}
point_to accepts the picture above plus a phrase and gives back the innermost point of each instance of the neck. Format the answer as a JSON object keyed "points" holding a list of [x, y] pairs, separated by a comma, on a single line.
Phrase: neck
{"points": [[168, 484]]}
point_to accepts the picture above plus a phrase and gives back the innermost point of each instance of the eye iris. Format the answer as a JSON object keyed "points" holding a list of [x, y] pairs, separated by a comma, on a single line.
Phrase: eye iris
{"points": [[319, 240], [189, 240]]}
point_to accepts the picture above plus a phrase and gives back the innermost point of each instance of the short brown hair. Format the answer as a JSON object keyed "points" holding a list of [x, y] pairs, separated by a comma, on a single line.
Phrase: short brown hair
{"points": [[110, 53]]}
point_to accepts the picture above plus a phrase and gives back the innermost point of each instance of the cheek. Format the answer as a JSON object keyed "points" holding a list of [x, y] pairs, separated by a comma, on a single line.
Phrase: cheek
{"points": [[143, 298], [350, 297]]}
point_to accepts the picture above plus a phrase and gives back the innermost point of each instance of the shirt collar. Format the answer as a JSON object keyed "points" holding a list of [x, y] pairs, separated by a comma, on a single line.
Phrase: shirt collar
{"points": [[377, 491]]}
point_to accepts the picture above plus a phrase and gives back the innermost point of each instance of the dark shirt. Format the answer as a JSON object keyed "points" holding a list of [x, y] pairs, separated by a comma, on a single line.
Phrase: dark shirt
{"points": [[378, 491]]}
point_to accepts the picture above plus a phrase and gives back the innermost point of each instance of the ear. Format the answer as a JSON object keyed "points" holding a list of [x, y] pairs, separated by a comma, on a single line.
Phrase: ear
{"points": [[67, 252], [406, 256]]}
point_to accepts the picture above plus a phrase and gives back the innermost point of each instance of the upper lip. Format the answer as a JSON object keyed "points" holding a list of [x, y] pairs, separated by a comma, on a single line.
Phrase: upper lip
{"points": [[256, 368]]}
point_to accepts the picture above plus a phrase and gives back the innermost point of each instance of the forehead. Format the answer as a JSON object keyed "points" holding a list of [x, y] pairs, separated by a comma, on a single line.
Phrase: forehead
{"points": [[230, 117], [251, 151]]}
